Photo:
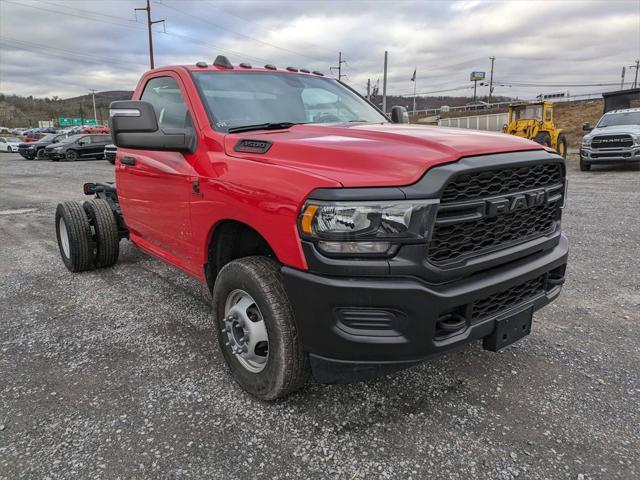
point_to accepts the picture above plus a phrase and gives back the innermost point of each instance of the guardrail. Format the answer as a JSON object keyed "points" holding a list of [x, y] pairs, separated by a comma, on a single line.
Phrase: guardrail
{"points": [[492, 122], [488, 106]]}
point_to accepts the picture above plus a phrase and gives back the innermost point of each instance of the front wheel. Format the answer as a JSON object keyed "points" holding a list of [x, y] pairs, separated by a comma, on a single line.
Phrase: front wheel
{"points": [[256, 330], [71, 155], [41, 154], [543, 138], [584, 166]]}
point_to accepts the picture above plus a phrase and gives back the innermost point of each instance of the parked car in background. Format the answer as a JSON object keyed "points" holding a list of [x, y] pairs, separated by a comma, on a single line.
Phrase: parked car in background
{"points": [[31, 150], [98, 129], [78, 147], [9, 144], [615, 139], [110, 153], [34, 136]]}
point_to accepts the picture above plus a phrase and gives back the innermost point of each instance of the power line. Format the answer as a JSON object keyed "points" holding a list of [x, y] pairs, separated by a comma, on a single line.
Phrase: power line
{"points": [[187, 37], [63, 53], [517, 83]]}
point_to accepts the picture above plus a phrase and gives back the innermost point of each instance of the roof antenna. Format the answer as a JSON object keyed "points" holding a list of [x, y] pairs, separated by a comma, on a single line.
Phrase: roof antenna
{"points": [[222, 61]]}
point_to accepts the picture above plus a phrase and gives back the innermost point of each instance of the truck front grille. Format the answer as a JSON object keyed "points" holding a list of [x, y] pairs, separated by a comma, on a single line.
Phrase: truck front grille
{"points": [[486, 183], [511, 297], [611, 141], [460, 231], [460, 239]]}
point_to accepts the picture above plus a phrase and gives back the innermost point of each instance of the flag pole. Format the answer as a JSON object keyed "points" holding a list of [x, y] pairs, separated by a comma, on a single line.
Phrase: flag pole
{"points": [[415, 81]]}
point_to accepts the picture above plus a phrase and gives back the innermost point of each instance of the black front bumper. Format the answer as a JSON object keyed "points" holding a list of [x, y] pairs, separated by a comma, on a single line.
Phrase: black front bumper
{"points": [[27, 152], [358, 326]]}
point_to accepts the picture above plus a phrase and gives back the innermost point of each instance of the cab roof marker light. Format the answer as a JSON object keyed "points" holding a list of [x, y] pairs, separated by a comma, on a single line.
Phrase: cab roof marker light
{"points": [[292, 69], [316, 72], [269, 66], [222, 61], [245, 65], [202, 64], [304, 70], [124, 112]]}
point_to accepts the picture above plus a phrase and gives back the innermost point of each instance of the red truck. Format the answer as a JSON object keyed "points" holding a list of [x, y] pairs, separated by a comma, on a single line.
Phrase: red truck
{"points": [[335, 242]]}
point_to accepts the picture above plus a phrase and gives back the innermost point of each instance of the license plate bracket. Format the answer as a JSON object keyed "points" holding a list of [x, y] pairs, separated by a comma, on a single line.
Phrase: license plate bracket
{"points": [[509, 329]]}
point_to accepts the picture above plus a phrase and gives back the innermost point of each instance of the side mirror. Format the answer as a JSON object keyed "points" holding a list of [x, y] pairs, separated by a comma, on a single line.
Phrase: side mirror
{"points": [[399, 114], [587, 127], [134, 125]]}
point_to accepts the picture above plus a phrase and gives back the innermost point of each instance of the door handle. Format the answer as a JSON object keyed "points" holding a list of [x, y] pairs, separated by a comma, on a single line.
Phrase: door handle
{"points": [[128, 161]]}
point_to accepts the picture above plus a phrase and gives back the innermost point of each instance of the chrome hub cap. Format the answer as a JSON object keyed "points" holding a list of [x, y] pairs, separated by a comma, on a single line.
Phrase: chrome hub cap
{"points": [[245, 330], [64, 237]]}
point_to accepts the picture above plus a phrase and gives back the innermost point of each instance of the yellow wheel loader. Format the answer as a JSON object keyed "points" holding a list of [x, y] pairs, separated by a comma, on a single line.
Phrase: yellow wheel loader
{"points": [[535, 122]]}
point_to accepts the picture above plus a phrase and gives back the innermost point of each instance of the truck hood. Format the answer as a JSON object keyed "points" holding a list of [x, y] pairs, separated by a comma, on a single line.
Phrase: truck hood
{"points": [[614, 130], [358, 155]]}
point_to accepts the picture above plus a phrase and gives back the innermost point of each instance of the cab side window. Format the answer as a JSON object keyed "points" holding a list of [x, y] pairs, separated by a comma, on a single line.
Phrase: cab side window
{"points": [[98, 139], [84, 140], [165, 96]]}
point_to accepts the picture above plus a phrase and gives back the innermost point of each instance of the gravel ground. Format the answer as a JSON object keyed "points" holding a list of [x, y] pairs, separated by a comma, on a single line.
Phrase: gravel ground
{"points": [[114, 373]]}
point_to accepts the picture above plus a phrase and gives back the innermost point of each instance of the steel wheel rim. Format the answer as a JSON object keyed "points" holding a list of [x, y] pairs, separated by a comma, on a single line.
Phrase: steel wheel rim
{"points": [[64, 237], [245, 331]]}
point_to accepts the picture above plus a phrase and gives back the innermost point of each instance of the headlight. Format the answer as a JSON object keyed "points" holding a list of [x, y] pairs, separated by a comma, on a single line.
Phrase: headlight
{"points": [[366, 228], [586, 141]]}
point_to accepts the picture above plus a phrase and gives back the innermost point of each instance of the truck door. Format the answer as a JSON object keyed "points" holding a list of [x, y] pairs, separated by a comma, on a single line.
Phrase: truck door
{"points": [[154, 187]]}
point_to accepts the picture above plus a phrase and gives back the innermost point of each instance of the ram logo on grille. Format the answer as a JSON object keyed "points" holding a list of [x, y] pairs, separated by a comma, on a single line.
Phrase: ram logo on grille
{"points": [[521, 201]]}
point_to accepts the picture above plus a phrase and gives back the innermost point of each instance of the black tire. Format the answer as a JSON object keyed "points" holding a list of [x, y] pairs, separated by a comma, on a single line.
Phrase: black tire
{"points": [[562, 146], [111, 160], [77, 253], [40, 154], [71, 155], [105, 232], [543, 138], [584, 166], [287, 366]]}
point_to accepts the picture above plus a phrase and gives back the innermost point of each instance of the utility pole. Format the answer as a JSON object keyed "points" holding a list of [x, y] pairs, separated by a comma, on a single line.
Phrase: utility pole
{"points": [[493, 59], [339, 67], [369, 89], [149, 24], [622, 80], [384, 84], [93, 94], [635, 82]]}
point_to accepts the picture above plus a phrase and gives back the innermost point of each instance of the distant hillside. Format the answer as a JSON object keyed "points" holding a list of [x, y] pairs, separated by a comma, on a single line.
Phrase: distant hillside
{"points": [[17, 111]]}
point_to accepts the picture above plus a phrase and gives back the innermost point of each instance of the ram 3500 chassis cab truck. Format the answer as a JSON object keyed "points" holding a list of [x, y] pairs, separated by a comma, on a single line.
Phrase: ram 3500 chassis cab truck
{"points": [[334, 241]]}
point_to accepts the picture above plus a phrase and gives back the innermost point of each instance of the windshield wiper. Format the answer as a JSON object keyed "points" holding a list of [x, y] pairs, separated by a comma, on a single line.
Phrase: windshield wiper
{"points": [[263, 126]]}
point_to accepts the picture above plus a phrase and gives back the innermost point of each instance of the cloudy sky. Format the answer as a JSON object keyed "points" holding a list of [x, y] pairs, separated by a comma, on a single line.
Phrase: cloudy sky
{"points": [[66, 47]]}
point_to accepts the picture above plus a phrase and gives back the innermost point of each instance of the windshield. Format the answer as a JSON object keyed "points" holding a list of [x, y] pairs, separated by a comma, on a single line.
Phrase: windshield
{"points": [[236, 99], [529, 112], [622, 118], [13, 139]]}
